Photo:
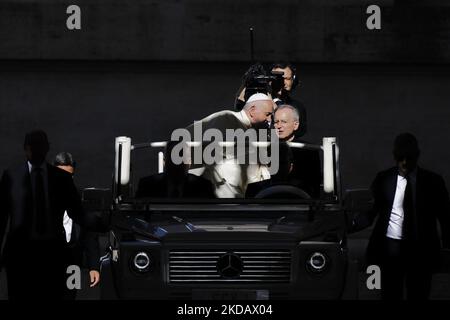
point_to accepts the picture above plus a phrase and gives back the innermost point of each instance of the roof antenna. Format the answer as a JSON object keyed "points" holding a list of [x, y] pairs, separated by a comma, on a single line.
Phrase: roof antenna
{"points": [[252, 55]]}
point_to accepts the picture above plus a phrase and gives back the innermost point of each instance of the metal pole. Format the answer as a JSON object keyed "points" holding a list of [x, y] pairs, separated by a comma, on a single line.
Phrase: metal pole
{"points": [[119, 171], [252, 54]]}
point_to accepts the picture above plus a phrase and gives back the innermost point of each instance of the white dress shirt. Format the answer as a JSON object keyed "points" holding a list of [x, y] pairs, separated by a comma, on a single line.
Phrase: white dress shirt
{"points": [[395, 227]]}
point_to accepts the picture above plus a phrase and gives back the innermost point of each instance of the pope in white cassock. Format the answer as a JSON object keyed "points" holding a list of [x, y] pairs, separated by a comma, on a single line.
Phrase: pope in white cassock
{"points": [[230, 178]]}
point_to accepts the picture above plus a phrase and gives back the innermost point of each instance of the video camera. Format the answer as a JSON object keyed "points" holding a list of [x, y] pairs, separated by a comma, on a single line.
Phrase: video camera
{"points": [[258, 80]]}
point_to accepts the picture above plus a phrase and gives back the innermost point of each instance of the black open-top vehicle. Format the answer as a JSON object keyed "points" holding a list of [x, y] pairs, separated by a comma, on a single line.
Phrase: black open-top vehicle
{"points": [[228, 248]]}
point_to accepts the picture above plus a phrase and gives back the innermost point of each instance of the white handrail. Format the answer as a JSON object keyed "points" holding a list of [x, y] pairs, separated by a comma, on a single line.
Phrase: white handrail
{"points": [[327, 146]]}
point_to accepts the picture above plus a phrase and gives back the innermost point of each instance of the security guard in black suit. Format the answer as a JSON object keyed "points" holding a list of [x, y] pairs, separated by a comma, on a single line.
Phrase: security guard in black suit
{"points": [[82, 245], [33, 197], [405, 243]]}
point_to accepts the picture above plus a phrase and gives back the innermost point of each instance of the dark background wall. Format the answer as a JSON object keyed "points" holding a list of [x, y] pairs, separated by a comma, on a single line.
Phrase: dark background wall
{"points": [[202, 30], [144, 68], [83, 106]]}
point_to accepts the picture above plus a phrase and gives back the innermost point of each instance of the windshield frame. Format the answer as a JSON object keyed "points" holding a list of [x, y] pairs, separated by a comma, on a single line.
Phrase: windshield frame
{"points": [[122, 188]]}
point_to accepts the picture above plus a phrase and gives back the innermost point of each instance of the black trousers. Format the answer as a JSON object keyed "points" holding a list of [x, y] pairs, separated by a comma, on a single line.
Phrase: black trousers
{"points": [[403, 273]]}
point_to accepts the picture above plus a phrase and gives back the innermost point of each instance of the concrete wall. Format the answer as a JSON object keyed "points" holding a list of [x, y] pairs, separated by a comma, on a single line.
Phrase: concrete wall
{"points": [[201, 30], [145, 67]]}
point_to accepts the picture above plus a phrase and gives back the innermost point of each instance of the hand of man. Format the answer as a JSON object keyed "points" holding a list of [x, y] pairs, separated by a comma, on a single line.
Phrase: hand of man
{"points": [[94, 275]]}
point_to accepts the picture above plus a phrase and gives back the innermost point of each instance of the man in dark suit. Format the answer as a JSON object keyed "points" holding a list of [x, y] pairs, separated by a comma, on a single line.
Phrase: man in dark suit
{"points": [[175, 181], [306, 169], [33, 198], [82, 245], [405, 244]]}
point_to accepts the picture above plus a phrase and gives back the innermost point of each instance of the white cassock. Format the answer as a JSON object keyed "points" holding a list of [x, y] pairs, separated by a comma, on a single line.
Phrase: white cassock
{"points": [[230, 178]]}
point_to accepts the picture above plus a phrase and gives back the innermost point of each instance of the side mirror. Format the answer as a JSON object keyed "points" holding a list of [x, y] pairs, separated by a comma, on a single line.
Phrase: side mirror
{"points": [[445, 261], [97, 203], [356, 201]]}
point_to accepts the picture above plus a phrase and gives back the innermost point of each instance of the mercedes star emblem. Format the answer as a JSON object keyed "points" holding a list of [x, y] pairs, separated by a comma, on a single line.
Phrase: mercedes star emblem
{"points": [[230, 265]]}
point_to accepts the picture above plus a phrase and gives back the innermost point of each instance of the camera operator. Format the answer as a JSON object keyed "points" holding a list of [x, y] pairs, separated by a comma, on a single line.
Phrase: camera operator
{"points": [[286, 81]]}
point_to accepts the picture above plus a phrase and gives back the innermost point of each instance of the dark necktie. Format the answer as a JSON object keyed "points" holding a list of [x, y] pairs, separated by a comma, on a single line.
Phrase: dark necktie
{"points": [[40, 205], [408, 210]]}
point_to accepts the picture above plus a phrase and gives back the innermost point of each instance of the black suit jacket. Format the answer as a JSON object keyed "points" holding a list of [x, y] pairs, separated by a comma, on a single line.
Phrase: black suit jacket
{"points": [[156, 186], [16, 206], [431, 205], [307, 170]]}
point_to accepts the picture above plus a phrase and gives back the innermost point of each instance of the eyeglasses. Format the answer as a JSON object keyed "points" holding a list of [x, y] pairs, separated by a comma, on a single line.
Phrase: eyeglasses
{"points": [[283, 121]]}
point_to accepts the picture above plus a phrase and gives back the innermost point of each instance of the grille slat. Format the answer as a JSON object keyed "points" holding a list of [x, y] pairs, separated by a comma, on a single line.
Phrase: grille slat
{"points": [[258, 266], [264, 257], [226, 280], [196, 252], [264, 271], [194, 261], [195, 276], [265, 261], [193, 271], [208, 266], [196, 257]]}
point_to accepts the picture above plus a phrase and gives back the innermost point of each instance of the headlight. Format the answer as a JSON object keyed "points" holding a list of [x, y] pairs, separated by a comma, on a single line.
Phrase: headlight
{"points": [[317, 262], [141, 262]]}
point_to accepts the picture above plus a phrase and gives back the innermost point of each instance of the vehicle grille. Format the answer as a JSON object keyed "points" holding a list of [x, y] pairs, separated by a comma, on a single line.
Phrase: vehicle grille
{"points": [[257, 266]]}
